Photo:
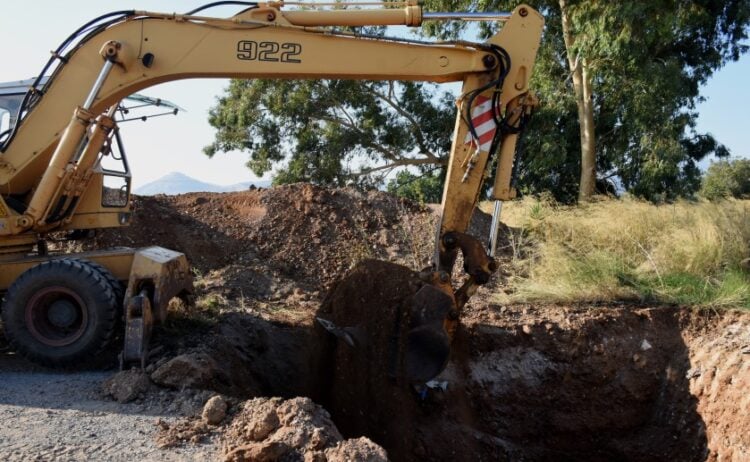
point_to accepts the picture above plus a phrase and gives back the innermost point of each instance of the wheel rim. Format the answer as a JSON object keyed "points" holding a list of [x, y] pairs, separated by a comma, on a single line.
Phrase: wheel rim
{"points": [[56, 316]]}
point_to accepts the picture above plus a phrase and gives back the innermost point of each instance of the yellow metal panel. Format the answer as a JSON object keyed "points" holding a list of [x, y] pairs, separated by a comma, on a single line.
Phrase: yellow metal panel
{"points": [[165, 272], [117, 261]]}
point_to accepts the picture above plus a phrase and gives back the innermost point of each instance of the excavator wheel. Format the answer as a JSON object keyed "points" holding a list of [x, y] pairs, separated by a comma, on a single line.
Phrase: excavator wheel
{"points": [[61, 312], [119, 289], [117, 286]]}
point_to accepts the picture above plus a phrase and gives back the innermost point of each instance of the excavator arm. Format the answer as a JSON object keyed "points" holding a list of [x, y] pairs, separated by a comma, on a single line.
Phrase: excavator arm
{"points": [[50, 163]]}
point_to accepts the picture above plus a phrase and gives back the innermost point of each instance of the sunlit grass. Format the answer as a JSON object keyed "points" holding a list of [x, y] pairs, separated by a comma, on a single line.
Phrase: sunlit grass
{"points": [[686, 253]]}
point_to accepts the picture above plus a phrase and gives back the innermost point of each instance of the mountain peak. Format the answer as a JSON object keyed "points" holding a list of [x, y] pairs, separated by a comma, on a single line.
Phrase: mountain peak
{"points": [[175, 176], [179, 183]]}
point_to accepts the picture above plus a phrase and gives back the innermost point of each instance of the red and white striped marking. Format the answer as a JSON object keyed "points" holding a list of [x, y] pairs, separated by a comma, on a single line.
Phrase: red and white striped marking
{"points": [[484, 123]]}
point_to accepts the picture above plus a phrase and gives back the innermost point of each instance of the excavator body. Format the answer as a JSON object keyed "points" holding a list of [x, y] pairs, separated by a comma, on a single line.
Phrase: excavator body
{"points": [[61, 309]]}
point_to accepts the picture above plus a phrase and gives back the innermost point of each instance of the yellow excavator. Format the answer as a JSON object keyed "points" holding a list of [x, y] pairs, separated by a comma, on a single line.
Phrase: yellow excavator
{"points": [[61, 170]]}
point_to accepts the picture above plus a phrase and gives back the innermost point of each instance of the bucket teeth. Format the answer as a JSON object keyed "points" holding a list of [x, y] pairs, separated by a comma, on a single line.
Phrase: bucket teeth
{"points": [[344, 333]]}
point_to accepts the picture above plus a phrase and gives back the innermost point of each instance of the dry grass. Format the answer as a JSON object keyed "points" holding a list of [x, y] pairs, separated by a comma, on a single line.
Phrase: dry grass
{"points": [[687, 253]]}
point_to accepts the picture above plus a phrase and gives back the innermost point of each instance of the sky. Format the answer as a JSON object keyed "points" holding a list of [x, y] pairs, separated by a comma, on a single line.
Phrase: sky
{"points": [[29, 30]]}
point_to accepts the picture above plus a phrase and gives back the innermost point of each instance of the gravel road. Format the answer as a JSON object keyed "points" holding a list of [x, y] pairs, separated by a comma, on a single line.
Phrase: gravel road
{"points": [[48, 415]]}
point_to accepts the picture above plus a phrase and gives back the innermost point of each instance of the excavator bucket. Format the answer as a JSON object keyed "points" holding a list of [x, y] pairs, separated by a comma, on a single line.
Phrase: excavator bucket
{"points": [[388, 321], [428, 343]]}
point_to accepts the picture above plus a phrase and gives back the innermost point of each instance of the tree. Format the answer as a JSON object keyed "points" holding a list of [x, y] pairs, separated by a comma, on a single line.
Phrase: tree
{"points": [[727, 178], [334, 131], [426, 188], [628, 74], [619, 83]]}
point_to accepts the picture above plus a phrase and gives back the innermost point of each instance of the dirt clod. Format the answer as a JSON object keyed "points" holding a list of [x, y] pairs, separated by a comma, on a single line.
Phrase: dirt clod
{"points": [[126, 386], [269, 429], [192, 430], [359, 449], [215, 410], [194, 370]]}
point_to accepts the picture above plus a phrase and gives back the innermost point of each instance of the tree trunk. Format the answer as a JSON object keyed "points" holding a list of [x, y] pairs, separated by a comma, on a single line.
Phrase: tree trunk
{"points": [[584, 101]]}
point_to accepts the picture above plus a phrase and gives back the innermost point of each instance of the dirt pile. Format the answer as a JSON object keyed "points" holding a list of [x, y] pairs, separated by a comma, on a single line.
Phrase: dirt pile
{"points": [[270, 429], [260, 240]]}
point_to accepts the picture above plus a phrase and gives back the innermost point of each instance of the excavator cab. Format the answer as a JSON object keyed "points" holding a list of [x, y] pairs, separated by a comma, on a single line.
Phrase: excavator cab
{"points": [[10, 102], [112, 173]]}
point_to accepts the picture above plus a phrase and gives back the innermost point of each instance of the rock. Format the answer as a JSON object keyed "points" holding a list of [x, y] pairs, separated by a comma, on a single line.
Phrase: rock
{"points": [[125, 386], [269, 451], [215, 410], [192, 370], [360, 449], [264, 427]]}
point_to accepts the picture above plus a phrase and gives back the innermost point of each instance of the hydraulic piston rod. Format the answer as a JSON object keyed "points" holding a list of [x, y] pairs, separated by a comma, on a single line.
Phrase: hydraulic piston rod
{"points": [[466, 16]]}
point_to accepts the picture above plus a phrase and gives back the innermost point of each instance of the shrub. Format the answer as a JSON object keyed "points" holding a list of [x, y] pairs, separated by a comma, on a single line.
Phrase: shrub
{"points": [[727, 178]]}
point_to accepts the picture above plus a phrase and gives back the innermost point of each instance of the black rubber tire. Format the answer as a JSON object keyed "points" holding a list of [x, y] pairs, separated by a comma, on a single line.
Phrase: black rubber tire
{"points": [[95, 304], [117, 286]]}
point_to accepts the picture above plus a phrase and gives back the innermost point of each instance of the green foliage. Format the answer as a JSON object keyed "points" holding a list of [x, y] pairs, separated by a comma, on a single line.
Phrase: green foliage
{"points": [[730, 289], [333, 131], [424, 188], [647, 60], [727, 178]]}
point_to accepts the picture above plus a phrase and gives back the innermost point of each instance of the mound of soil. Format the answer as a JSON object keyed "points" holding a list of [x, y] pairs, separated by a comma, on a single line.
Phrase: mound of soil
{"points": [[300, 232], [267, 244], [270, 429]]}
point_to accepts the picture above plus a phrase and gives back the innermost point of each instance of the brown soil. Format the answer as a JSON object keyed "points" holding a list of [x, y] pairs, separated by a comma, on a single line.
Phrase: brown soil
{"points": [[297, 429], [549, 383], [303, 234], [614, 382]]}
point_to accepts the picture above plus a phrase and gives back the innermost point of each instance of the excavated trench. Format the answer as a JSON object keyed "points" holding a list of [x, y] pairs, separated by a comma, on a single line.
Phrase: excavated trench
{"points": [[595, 383], [582, 383]]}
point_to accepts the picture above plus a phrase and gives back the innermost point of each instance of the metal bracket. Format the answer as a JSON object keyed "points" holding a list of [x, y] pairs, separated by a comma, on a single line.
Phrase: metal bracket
{"points": [[139, 322]]}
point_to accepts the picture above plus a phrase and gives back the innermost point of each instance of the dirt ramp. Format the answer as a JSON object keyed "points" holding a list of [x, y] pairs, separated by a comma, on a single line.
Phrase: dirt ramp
{"points": [[244, 356]]}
